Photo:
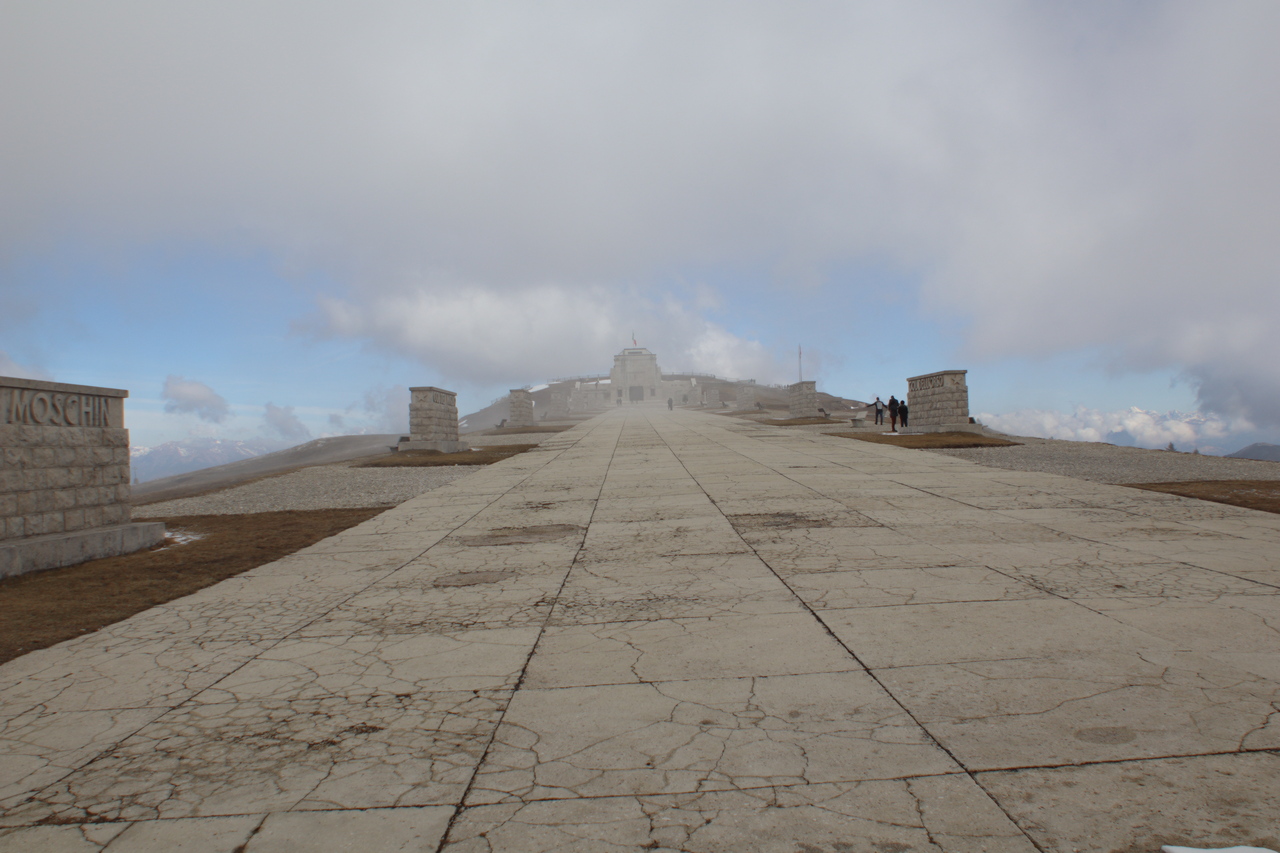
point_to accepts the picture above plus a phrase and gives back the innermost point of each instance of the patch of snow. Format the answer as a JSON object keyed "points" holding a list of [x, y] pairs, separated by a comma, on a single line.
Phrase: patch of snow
{"points": [[539, 387], [174, 538], [1169, 848]]}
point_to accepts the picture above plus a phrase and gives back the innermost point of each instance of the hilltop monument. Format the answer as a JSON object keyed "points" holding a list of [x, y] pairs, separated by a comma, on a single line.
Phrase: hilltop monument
{"points": [[636, 376]]}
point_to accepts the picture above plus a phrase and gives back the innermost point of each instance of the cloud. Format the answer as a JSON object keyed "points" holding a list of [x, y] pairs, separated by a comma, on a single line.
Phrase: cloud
{"points": [[528, 178], [485, 335], [337, 421], [1131, 427], [9, 367], [386, 410], [281, 421], [187, 396]]}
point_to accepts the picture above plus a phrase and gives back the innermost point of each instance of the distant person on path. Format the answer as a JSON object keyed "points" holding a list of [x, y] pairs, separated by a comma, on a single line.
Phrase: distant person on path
{"points": [[671, 404], [879, 411], [902, 413], [893, 412]]}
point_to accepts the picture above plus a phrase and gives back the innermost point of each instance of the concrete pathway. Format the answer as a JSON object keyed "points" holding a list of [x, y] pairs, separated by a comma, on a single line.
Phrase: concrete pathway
{"points": [[675, 631]]}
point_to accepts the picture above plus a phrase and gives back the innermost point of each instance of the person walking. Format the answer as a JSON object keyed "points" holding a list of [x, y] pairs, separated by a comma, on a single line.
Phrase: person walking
{"points": [[902, 412], [879, 411], [671, 403], [893, 412]]}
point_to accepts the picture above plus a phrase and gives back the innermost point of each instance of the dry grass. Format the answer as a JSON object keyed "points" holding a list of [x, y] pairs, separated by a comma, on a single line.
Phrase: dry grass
{"points": [[800, 421], [523, 430], [435, 458], [929, 440], [40, 609], [1250, 494]]}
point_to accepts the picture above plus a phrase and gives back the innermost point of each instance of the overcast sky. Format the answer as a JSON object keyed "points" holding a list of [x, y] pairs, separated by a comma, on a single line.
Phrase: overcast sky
{"points": [[271, 217]]}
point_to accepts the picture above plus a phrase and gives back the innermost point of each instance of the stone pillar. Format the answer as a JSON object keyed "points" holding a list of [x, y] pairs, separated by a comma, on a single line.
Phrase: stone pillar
{"points": [[746, 397], [939, 402], [521, 411], [64, 477], [711, 395], [433, 420], [804, 400]]}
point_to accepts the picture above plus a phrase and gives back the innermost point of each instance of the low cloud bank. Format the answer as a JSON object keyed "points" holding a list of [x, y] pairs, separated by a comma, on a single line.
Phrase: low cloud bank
{"points": [[1208, 433], [187, 396]]}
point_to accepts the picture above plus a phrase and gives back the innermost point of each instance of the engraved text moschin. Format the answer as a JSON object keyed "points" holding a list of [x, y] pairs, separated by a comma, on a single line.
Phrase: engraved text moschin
{"points": [[46, 408]]}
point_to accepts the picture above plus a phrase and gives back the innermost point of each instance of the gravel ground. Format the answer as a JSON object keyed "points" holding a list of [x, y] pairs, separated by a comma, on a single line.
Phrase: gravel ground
{"points": [[1106, 463], [322, 487]]}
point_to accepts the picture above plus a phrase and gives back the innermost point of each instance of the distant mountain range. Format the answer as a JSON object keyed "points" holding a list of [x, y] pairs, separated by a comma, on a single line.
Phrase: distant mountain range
{"points": [[1259, 450], [192, 454]]}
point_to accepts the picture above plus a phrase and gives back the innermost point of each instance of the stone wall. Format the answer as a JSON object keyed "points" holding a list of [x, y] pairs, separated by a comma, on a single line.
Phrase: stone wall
{"points": [[746, 397], [939, 402], [521, 408], [804, 399], [433, 420], [559, 403], [64, 476], [711, 395]]}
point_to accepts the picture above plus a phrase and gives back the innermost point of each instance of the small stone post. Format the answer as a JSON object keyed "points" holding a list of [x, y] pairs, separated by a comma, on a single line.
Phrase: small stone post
{"points": [[804, 399], [521, 412], [433, 420]]}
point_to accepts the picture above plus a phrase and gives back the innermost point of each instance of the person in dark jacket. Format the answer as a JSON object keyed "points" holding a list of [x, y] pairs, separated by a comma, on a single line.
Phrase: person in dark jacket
{"points": [[893, 412], [902, 412], [671, 403]]}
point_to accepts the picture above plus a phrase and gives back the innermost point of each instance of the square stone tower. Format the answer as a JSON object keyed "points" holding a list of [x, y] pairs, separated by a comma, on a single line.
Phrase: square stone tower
{"points": [[64, 477], [433, 420], [939, 402], [520, 408], [804, 399]]}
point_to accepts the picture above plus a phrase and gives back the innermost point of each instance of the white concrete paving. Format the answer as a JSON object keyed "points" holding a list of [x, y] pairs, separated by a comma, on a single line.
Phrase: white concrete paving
{"points": [[675, 631]]}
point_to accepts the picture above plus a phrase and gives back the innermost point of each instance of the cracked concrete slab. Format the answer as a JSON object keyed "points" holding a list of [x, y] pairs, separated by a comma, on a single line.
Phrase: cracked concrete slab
{"points": [[674, 631]]}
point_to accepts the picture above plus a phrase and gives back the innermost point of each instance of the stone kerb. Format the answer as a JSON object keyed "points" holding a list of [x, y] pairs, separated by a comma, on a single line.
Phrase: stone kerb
{"points": [[804, 399], [433, 420], [746, 397], [64, 477], [939, 402], [521, 412]]}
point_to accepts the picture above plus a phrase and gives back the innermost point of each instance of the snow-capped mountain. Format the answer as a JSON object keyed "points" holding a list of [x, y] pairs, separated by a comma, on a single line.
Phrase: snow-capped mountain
{"points": [[192, 454]]}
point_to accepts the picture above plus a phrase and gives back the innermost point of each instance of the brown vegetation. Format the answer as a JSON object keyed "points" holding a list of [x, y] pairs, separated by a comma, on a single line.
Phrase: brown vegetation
{"points": [[40, 609], [524, 430], [435, 458], [799, 421], [1250, 494], [928, 440]]}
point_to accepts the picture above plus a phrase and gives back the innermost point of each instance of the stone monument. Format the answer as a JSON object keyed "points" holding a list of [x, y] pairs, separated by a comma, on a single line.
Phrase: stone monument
{"points": [[746, 397], [433, 420], [521, 408], [804, 399], [711, 395], [635, 376], [64, 477], [939, 402]]}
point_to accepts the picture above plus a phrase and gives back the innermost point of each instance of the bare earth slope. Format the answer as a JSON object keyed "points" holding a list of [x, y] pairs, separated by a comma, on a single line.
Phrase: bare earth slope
{"points": [[322, 451]]}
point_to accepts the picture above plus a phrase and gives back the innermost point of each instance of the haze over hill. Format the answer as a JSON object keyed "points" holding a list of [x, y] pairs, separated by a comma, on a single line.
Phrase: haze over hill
{"points": [[1259, 450]]}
